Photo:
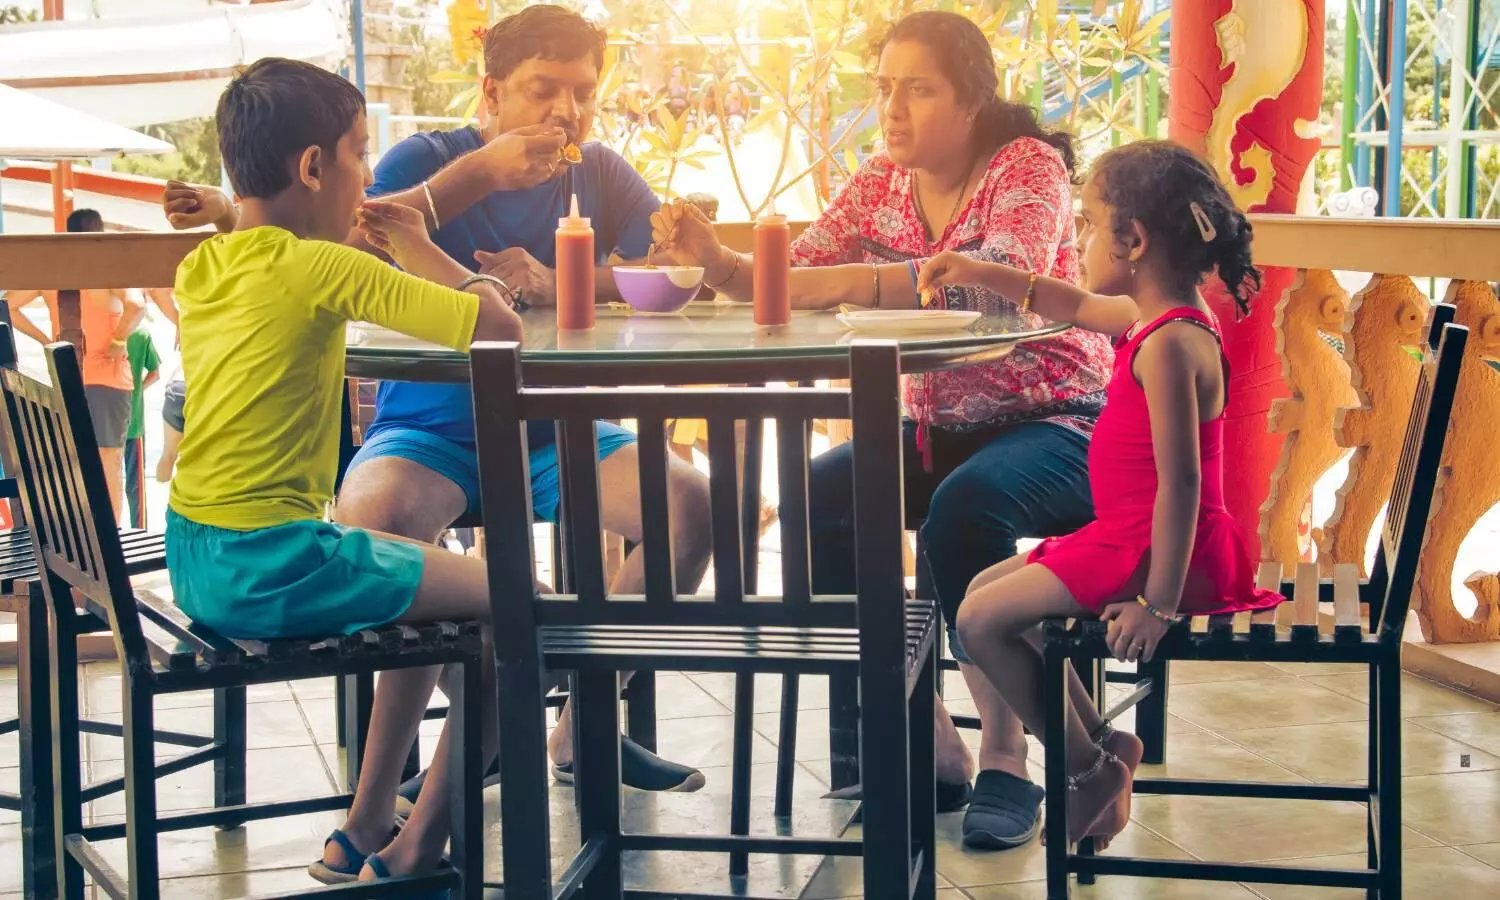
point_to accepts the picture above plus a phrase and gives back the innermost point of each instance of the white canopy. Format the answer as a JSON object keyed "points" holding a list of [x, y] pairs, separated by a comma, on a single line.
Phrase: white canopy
{"points": [[34, 128]]}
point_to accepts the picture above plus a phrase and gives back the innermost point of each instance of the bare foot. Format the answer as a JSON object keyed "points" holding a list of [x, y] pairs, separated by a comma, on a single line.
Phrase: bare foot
{"points": [[1095, 795], [1129, 749]]}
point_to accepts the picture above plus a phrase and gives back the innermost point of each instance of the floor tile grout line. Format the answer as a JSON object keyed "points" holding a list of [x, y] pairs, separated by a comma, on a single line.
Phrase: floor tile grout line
{"points": [[1467, 743], [1460, 849]]}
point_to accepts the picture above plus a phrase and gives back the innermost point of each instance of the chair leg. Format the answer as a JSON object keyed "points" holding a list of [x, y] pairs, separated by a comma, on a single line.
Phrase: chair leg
{"points": [[886, 762], [230, 737], [359, 699], [38, 853], [526, 844], [1095, 681], [596, 743], [739, 772], [923, 778], [843, 729], [67, 799], [140, 790], [1372, 810], [465, 753], [338, 712], [1151, 713], [1386, 707], [786, 743], [640, 709], [1054, 730]]}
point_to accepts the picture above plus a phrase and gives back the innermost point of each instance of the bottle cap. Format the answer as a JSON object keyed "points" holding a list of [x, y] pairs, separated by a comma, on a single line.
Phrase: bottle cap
{"points": [[573, 220]]}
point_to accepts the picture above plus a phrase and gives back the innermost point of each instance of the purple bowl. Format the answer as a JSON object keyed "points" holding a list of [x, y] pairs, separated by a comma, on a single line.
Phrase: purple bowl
{"points": [[665, 289]]}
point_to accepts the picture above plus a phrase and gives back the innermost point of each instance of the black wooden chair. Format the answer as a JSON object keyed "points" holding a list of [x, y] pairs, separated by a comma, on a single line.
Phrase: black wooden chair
{"points": [[1223, 638], [887, 639], [84, 572]]}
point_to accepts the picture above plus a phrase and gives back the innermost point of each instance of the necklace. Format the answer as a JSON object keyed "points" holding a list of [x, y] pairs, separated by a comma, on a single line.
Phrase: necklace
{"points": [[916, 196]]}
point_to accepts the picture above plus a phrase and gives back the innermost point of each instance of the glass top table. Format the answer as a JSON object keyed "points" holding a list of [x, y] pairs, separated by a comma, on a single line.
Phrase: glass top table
{"points": [[708, 331]]}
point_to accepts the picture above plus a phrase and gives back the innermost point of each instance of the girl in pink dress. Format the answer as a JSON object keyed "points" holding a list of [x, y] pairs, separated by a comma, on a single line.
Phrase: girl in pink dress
{"points": [[1157, 220]]}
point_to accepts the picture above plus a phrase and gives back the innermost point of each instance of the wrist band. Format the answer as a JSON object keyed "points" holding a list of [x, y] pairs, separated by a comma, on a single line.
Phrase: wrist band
{"points": [[1026, 303], [733, 270], [431, 207], [507, 292], [1170, 620], [875, 280]]}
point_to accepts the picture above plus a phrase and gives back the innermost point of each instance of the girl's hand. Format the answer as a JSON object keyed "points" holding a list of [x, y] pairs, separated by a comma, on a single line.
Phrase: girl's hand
{"points": [[683, 232], [948, 268], [1133, 632], [399, 232]]}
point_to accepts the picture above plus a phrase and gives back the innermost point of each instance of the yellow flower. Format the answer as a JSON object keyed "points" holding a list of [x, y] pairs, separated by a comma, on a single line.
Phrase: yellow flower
{"points": [[467, 22]]}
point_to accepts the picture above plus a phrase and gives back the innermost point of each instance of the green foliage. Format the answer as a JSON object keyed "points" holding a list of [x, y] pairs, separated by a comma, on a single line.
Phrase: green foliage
{"points": [[196, 160], [11, 15]]}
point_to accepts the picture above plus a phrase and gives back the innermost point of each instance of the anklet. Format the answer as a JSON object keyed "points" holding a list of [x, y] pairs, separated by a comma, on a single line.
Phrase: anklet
{"points": [[1100, 761]]}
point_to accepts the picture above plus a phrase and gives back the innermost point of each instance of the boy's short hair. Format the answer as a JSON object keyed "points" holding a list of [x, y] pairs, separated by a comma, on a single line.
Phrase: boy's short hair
{"points": [[273, 111], [541, 31], [80, 220]]}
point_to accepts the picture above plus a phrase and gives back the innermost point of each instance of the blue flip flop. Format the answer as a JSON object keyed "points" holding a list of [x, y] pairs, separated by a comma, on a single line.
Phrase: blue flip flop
{"points": [[377, 865], [323, 872]]}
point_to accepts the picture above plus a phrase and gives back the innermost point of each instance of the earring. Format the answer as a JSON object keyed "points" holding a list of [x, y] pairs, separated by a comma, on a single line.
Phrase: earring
{"points": [[1132, 269]]}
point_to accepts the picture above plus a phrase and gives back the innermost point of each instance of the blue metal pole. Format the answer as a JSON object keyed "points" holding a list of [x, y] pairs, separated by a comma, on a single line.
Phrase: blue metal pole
{"points": [[357, 25], [1364, 91], [1395, 130]]}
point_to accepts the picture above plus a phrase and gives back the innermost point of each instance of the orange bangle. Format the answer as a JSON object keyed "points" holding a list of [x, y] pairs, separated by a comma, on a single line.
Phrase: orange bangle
{"points": [[1030, 293]]}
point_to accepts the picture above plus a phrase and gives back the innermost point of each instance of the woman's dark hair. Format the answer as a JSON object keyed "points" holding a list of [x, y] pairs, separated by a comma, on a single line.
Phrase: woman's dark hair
{"points": [[1156, 183], [964, 55], [273, 111], [541, 31]]}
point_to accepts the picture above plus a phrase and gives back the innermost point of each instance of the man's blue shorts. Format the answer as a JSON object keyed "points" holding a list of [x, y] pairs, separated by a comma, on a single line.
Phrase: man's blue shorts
{"points": [[459, 464]]}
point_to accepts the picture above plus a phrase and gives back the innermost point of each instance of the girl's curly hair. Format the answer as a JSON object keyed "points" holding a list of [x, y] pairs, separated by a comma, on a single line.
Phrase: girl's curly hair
{"points": [[1156, 183]]}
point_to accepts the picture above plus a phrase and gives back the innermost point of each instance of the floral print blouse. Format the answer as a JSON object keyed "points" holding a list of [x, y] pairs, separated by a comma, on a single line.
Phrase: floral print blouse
{"points": [[1021, 214]]}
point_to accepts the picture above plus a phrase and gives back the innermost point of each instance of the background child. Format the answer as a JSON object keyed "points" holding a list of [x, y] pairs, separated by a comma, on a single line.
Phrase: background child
{"points": [[145, 369], [1157, 220]]}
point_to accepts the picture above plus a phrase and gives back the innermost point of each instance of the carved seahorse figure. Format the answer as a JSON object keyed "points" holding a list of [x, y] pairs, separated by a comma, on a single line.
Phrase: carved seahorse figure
{"points": [[1385, 322], [1469, 482], [1266, 42], [1319, 382]]}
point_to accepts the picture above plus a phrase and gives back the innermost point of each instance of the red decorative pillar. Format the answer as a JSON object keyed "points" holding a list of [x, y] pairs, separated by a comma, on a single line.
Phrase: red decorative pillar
{"points": [[1245, 90]]}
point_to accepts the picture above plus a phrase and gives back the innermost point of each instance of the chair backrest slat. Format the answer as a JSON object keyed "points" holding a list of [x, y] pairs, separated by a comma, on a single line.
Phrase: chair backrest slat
{"points": [[657, 555], [502, 401], [792, 460], [1417, 474], [724, 507], [578, 464], [74, 533]]}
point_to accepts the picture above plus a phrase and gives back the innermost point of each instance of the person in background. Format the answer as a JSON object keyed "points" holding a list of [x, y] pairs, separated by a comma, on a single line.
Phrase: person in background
{"points": [[145, 369]]}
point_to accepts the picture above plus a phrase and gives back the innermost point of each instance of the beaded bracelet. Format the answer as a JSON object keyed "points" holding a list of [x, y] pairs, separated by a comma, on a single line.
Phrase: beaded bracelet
{"points": [[1170, 620]]}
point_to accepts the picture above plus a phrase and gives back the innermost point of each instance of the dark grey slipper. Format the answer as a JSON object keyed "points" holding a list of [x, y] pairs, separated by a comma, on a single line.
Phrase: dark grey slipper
{"points": [[1004, 813]]}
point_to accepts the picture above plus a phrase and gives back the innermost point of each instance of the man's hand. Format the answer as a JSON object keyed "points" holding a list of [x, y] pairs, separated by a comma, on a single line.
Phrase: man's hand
{"points": [[115, 349], [526, 157], [195, 205], [398, 231], [529, 280]]}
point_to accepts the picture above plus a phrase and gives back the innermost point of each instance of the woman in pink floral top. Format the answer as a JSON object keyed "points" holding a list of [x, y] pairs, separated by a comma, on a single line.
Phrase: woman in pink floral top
{"points": [[996, 451]]}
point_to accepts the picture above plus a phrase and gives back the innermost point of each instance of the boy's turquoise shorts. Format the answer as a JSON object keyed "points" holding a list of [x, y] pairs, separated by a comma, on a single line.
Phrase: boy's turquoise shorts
{"points": [[304, 579]]}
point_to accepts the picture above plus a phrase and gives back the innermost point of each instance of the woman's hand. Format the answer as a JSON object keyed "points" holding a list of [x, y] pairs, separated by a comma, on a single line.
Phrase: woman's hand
{"points": [[683, 232], [1133, 632], [195, 205], [399, 232], [949, 268]]}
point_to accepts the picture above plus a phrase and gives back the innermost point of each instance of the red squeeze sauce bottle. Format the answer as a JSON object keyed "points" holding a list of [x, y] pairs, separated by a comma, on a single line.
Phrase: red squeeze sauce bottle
{"points": [[575, 272], [773, 265]]}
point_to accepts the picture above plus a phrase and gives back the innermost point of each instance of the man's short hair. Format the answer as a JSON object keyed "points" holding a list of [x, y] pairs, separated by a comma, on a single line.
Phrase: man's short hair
{"points": [[273, 111], [85, 220], [543, 31]]}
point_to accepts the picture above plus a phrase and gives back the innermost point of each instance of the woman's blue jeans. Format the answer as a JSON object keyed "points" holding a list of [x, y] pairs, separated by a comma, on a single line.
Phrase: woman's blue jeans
{"points": [[987, 488]]}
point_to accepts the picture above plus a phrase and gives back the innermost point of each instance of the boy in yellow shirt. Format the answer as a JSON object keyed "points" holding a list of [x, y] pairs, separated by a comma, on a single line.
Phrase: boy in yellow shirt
{"points": [[262, 313]]}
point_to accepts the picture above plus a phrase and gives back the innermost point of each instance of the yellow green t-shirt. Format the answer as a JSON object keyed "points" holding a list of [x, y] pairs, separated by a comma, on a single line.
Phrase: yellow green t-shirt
{"points": [[263, 317]]}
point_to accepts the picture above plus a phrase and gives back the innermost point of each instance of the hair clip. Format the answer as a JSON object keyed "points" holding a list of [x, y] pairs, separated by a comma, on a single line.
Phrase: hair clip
{"points": [[1205, 227]]}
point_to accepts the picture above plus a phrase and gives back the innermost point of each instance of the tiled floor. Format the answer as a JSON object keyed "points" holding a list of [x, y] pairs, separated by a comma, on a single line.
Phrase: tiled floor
{"points": [[1290, 723]]}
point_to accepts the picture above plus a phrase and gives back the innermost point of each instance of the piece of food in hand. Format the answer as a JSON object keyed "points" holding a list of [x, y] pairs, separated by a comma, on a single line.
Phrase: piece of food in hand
{"points": [[572, 155]]}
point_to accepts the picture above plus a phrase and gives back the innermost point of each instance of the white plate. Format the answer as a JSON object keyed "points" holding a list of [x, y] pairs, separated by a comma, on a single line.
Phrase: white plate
{"points": [[908, 321]]}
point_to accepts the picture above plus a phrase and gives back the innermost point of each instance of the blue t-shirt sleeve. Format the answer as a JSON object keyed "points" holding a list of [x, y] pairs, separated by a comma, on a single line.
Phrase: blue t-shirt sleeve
{"points": [[630, 206], [406, 165]]}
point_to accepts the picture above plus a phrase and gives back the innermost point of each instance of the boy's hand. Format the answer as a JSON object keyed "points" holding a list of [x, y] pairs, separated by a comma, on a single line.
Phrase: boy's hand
{"points": [[194, 205], [947, 268], [526, 157], [529, 280], [399, 232]]}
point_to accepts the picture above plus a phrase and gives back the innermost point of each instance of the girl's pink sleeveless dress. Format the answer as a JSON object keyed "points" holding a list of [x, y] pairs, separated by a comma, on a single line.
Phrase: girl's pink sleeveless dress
{"points": [[1106, 561]]}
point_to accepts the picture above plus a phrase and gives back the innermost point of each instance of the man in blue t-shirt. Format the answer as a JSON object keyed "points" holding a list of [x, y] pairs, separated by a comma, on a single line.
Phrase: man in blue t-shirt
{"points": [[493, 196]]}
